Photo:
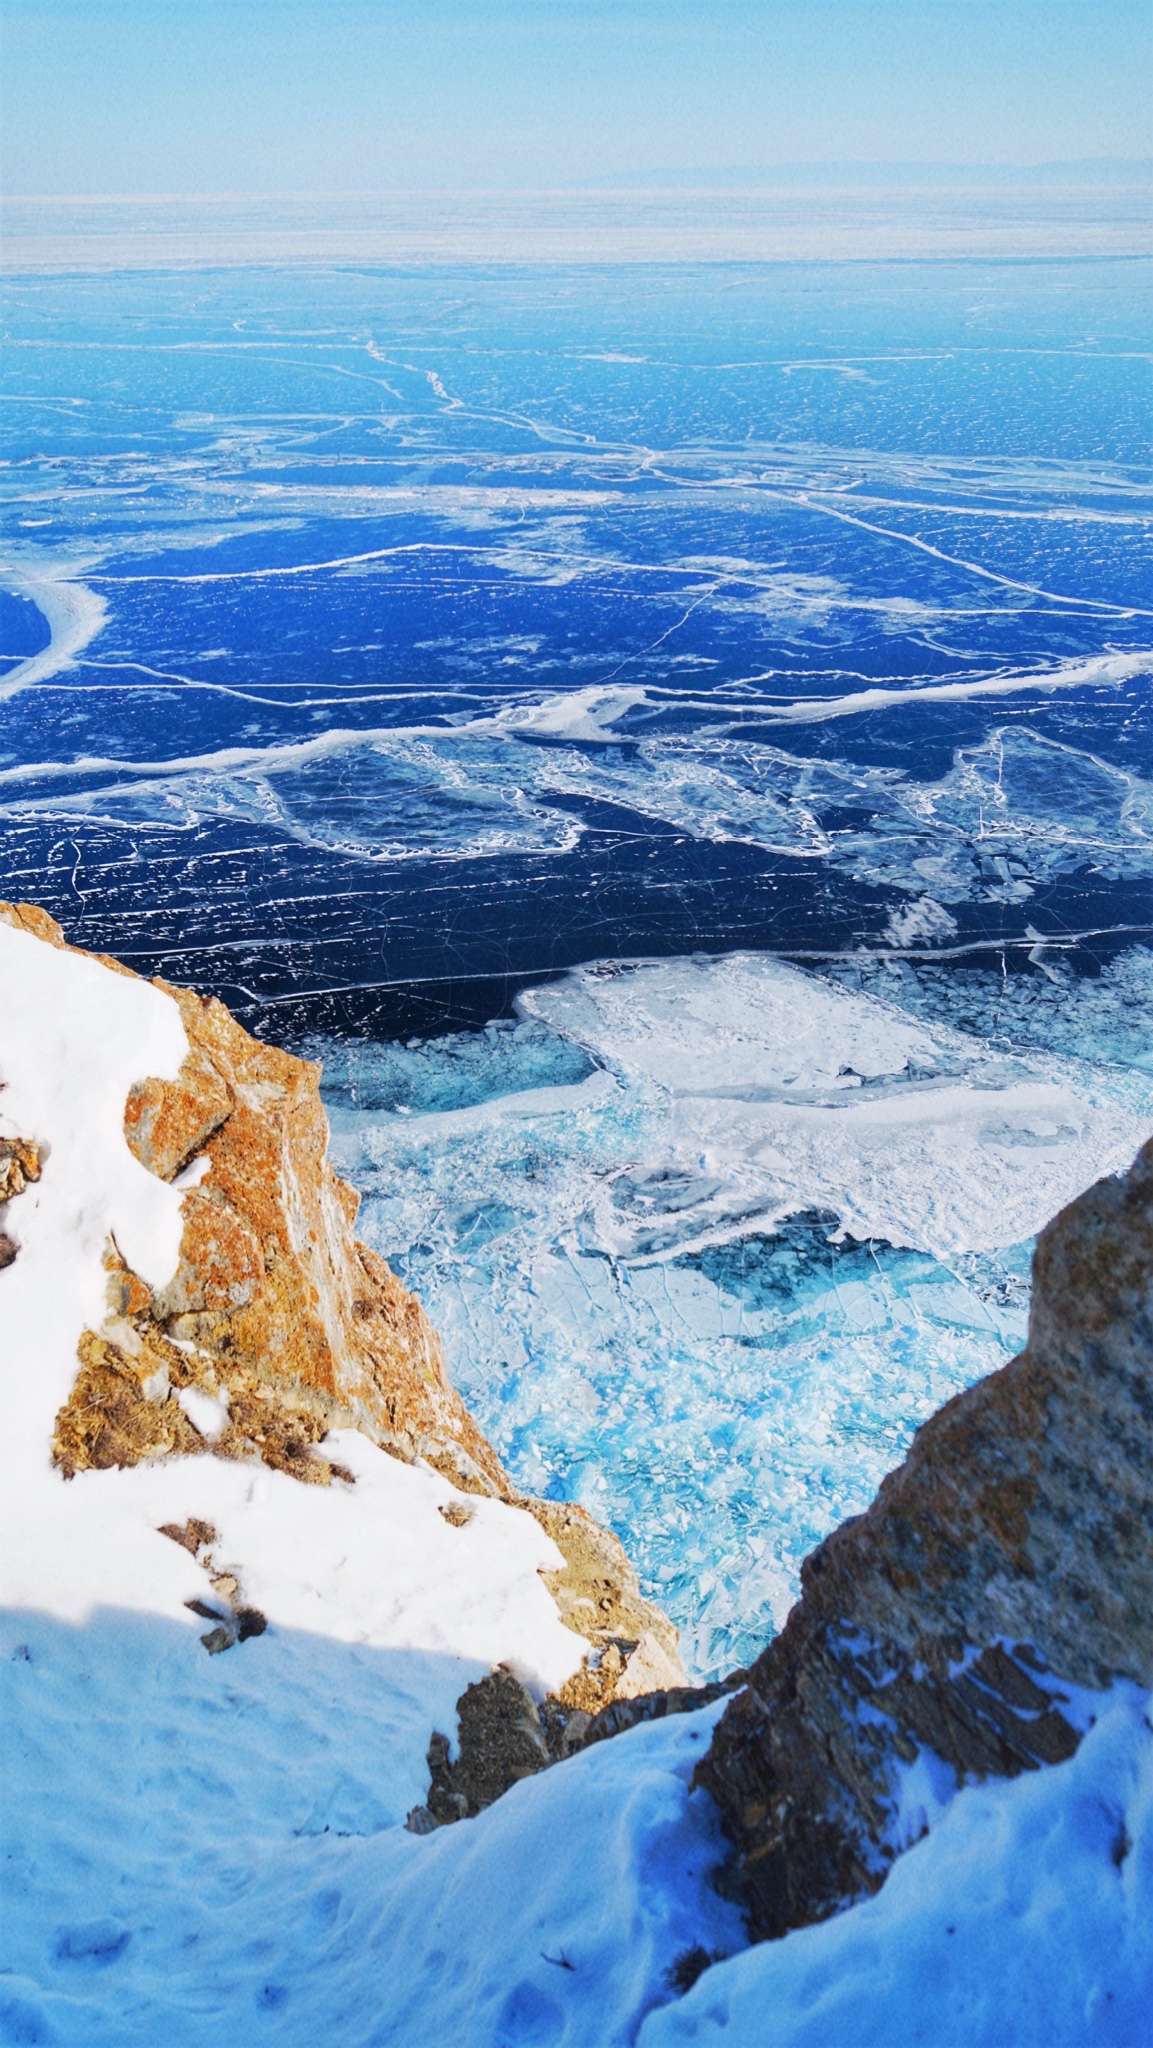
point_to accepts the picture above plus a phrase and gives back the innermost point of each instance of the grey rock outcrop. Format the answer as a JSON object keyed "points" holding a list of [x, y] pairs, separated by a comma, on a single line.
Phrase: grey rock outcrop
{"points": [[1009, 1557]]}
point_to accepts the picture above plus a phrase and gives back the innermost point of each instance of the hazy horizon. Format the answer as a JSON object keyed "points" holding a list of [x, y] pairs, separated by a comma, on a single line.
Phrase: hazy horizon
{"points": [[137, 98], [815, 174]]}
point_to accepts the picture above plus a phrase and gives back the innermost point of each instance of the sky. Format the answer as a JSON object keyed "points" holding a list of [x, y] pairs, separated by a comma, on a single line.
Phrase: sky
{"points": [[262, 96]]}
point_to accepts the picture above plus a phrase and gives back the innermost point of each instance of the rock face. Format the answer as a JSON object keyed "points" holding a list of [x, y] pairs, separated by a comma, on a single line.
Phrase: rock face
{"points": [[504, 1736], [279, 1326], [1010, 1554], [599, 1597]]}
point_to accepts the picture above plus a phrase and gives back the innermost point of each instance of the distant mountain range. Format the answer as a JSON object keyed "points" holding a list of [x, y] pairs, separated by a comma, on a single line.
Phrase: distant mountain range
{"points": [[1092, 170]]}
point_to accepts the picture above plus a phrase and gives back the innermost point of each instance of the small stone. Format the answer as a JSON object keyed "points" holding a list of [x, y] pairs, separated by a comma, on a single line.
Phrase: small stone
{"points": [[421, 1822], [192, 1535], [205, 1612], [218, 1639]]}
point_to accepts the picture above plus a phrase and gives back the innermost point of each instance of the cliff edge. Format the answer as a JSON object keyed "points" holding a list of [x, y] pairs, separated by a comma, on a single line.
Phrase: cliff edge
{"points": [[278, 1330], [1003, 1568]]}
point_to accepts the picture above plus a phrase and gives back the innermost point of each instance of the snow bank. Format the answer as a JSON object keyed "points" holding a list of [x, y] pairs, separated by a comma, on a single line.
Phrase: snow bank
{"points": [[208, 1881], [1024, 1918], [212, 1879], [373, 1564]]}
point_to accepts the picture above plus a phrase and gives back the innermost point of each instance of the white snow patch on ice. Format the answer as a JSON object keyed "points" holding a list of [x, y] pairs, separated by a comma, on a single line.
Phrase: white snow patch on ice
{"points": [[588, 714], [921, 919], [788, 1092]]}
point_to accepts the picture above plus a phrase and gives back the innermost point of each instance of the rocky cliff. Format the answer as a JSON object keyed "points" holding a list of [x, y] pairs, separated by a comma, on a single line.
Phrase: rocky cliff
{"points": [[1007, 1563], [279, 1328]]}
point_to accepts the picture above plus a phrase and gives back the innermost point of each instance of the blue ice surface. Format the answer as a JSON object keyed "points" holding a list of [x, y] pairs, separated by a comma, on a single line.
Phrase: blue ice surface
{"points": [[725, 1405], [361, 533], [464, 625]]}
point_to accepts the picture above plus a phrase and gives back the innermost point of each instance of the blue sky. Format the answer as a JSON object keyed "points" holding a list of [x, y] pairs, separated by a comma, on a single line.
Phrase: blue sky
{"points": [[135, 96]]}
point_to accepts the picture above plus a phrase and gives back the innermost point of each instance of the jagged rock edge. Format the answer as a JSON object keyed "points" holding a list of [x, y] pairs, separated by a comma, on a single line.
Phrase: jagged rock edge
{"points": [[199, 1335]]}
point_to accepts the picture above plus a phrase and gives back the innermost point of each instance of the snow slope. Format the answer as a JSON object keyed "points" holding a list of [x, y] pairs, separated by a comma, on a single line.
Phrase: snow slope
{"points": [[203, 1850], [1025, 1920], [229, 1872]]}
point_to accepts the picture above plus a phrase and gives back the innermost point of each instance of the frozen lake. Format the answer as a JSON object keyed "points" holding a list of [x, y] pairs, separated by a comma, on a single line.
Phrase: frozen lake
{"points": [[380, 648]]}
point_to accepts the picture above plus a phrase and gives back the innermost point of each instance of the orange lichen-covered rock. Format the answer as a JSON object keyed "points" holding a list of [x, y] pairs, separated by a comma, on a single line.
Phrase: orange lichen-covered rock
{"points": [[271, 1279], [286, 1322], [19, 1164], [274, 1305], [1009, 1557], [168, 1122]]}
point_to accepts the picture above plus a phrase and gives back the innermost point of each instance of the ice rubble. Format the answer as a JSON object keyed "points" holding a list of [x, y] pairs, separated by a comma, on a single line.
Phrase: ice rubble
{"points": [[791, 1093], [619, 1213], [1103, 1021]]}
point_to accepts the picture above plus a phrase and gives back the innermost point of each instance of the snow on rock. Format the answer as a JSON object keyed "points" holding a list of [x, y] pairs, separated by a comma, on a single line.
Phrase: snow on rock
{"points": [[263, 1330], [1025, 1918], [73, 1039], [367, 1557]]}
